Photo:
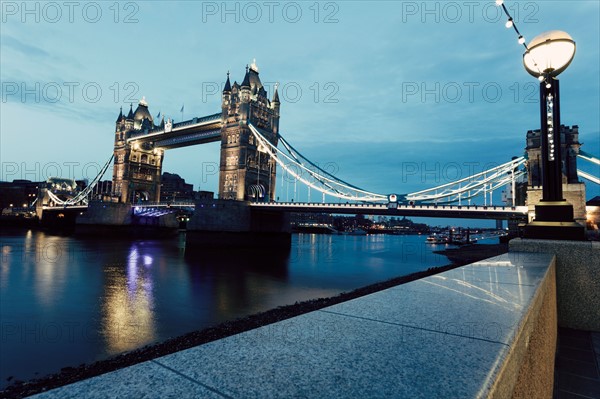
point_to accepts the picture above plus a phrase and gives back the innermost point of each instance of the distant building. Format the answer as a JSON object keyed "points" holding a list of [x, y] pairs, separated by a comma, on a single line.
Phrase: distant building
{"points": [[308, 218], [18, 193], [593, 215], [204, 195], [521, 194], [174, 188]]}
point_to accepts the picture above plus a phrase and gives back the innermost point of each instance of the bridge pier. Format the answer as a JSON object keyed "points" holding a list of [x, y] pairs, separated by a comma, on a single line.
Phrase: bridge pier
{"points": [[58, 219], [119, 219], [234, 224]]}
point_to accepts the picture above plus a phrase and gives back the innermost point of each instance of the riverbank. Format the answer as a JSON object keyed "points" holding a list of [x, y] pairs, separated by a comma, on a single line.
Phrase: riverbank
{"points": [[473, 253], [72, 374]]}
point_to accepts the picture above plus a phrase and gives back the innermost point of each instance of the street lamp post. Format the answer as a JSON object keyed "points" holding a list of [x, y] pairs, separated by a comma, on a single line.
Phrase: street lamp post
{"points": [[547, 56]]}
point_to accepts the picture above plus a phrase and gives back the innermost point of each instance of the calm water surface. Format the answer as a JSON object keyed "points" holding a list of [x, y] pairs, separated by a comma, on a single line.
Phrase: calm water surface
{"points": [[65, 301]]}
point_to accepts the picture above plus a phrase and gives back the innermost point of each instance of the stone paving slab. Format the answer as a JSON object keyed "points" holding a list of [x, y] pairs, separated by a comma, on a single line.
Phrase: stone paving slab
{"points": [[336, 356], [470, 302], [393, 343], [144, 380], [577, 372]]}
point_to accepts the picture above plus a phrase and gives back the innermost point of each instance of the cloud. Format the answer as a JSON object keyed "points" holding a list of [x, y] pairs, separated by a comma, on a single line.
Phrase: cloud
{"points": [[24, 48]]}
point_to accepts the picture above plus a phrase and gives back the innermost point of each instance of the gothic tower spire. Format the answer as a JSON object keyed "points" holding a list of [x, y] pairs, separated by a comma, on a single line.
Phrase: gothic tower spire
{"points": [[246, 81], [276, 94], [120, 117], [130, 115], [227, 88]]}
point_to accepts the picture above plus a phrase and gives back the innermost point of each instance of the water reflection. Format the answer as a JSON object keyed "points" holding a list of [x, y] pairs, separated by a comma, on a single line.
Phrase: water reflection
{"points": [[49, 261], [237, 280], [106, 296], [5, 262], [128, 317], [39, 260]]}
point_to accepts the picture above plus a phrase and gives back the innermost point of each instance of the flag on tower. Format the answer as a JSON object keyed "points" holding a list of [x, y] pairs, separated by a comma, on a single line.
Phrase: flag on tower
{"points": [[182, 108], [158, 116]]}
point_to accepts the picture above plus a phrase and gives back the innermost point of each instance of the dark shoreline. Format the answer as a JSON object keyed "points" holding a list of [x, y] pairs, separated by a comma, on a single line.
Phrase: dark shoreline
{"points": [[472, 253], [459, 257]]}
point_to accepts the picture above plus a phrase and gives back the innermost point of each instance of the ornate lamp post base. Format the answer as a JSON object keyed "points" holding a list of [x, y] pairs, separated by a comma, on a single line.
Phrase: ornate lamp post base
{"points": [[554, 221]]}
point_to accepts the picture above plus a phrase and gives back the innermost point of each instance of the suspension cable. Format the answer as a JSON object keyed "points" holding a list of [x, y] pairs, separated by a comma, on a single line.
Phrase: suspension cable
{"points": [[81, 196], [277, 154]]}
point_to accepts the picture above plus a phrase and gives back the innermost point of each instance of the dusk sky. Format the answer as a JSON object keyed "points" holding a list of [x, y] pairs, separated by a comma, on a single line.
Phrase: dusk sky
{"points": [[369, 89]]}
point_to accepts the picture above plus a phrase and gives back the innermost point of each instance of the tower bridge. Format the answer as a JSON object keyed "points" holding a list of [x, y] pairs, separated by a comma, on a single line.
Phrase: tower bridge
{"points": [[252, 149], [245, 171], [248, 129]]}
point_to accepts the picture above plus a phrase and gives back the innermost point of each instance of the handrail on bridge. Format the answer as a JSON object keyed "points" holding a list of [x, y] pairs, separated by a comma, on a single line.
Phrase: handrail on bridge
{"points": [[481, 208], [164, 204], [194, 121]]}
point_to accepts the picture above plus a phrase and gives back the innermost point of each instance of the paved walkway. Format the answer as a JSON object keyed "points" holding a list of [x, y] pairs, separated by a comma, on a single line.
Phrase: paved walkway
{"points": [[577, 372], [444, 336]]}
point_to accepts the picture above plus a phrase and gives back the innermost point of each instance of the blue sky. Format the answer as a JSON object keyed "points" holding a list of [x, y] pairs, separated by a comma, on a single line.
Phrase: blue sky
{"points": [[370, 89]]}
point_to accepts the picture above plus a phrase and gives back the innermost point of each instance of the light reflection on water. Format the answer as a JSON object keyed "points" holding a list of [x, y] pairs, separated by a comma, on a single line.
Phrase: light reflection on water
{"points": [[128, 319], [66, 300]]}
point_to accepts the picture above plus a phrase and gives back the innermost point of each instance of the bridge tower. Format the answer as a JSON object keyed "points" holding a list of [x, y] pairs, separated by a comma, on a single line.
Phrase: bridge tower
{"points": [[247, 173], [137, 168], [573, 189], [569, 149]]}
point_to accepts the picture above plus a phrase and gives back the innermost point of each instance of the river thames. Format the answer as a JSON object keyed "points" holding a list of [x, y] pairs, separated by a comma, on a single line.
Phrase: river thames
{"points": [[65, 300]]}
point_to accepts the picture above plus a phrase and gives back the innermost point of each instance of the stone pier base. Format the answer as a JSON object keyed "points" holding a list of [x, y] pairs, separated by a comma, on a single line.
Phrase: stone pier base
{"points": [[110, 219], [226, 224]]}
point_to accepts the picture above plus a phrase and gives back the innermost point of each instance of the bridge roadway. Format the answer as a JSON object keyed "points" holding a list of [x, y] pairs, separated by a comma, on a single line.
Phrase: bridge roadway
{"points": [[445, 211], [442, 211]]}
